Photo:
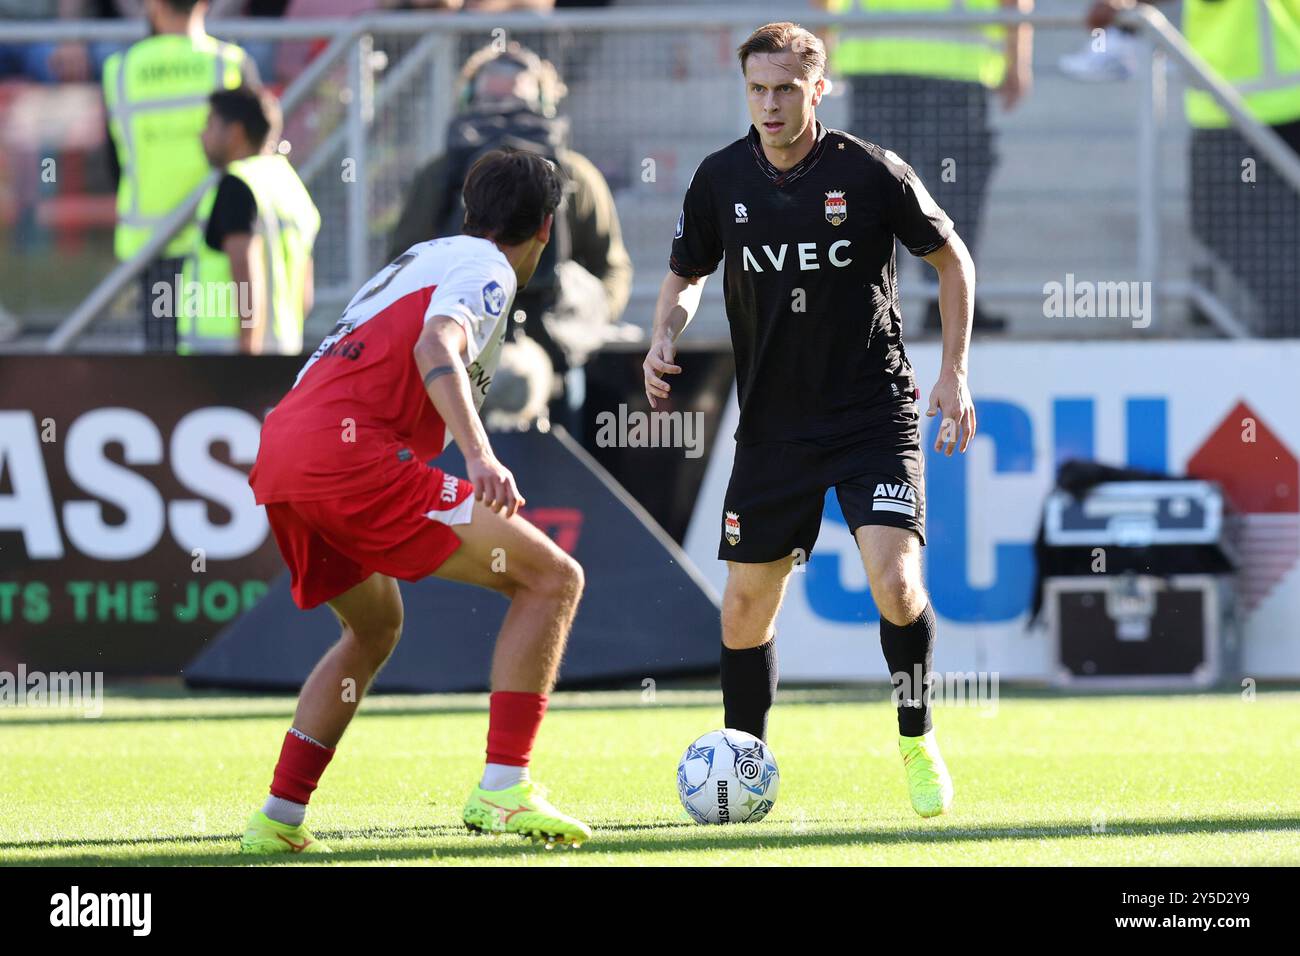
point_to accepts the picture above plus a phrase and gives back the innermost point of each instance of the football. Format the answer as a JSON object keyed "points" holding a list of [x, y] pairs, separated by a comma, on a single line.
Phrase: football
{"points": [[727, 776]]}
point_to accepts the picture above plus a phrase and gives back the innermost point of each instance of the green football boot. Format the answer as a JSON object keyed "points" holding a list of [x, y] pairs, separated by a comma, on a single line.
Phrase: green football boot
{"points": [[928, 782], [267, 836], [523, 809]]}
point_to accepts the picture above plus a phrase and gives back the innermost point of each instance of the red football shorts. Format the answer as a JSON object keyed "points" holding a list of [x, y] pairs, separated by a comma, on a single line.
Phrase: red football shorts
{"points": [[403, 529]]}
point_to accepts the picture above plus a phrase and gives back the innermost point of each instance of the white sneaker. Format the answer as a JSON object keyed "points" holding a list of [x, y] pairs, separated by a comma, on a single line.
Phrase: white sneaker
{"points": [[1116, 62], [10, 328]]}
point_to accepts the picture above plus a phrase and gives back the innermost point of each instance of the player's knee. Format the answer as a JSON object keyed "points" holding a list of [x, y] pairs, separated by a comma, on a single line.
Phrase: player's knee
{"points": [[561, 579], [736, 607], [745, 615], [899, 596], [569, 579], [748, 594], [380, 636]]}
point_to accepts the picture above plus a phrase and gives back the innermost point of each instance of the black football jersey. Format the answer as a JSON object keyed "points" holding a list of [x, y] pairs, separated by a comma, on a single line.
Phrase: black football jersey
{"points": [[810, 279]]}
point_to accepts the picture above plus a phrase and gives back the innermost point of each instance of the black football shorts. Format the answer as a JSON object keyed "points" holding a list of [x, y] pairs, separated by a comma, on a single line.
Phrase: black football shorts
{"points": [[774, 501]]}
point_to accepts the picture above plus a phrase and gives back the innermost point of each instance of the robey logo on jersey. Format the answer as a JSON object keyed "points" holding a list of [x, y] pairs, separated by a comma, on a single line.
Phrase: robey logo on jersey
{"points": [[806, 255]]}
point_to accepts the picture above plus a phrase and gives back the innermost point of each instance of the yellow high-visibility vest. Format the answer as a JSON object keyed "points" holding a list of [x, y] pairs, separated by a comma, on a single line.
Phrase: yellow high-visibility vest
{"points": [[975, 56], [157, 92], [1255, 46], [208, 318]]}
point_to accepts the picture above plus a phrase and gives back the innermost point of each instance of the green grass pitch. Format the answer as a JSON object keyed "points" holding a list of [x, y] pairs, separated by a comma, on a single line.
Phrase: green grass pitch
{"points": [[169, 778]]}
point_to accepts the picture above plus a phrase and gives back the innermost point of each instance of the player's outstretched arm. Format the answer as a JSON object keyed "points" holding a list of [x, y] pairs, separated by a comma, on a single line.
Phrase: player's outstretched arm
{"points": [[950, 395], [679, 297], [438, 357]]}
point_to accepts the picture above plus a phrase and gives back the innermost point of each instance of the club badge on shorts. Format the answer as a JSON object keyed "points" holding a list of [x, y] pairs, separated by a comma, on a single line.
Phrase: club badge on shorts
{"points": [[731, 528], [837, 210]]}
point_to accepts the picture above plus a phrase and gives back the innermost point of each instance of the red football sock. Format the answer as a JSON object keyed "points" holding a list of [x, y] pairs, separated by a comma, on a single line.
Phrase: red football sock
{"points": [[299, 771], [513, 721]]}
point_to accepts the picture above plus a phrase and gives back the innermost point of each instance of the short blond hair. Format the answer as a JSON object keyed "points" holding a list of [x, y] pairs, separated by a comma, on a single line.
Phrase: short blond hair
{"points": [[787, 37]]}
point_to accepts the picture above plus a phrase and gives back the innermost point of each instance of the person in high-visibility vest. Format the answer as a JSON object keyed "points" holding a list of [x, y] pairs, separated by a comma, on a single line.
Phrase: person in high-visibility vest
{"points": [[926, 95], [249, 278], [156, 94], [1242, 210]]}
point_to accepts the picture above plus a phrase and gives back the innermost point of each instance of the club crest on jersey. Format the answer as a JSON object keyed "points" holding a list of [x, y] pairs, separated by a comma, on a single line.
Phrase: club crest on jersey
{"points": [[837, 210], [890, 497], [731, 528], [494, 298]]}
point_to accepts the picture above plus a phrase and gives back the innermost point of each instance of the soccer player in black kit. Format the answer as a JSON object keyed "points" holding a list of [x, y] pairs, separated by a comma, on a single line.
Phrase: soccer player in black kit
{"points": [[806, 219]]}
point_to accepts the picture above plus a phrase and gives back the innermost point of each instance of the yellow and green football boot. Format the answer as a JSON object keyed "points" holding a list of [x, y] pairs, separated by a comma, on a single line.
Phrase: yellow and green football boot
{"points": [[523, 809], [928, 781], [267, 836]]}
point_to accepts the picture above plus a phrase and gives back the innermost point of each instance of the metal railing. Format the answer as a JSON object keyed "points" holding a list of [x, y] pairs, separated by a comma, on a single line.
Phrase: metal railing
{"points": [[687, 118], [116, 281]]}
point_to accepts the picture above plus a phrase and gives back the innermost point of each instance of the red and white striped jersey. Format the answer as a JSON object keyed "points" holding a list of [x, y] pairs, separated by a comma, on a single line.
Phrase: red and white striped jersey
{"points": [[359, 407]]}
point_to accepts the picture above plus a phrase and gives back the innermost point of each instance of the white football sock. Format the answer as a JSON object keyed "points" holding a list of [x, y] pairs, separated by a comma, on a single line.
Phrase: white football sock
{"points": [[500, 776], [285, 811]]}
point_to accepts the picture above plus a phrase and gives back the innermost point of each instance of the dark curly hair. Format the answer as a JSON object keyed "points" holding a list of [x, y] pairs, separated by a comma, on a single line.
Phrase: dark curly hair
{"points": [[509, 193]]}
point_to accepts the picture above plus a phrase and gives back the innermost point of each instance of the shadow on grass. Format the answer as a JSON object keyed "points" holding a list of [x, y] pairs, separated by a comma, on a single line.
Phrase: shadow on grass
{"points": [[648, 838], [260, 706], [284, 712]]}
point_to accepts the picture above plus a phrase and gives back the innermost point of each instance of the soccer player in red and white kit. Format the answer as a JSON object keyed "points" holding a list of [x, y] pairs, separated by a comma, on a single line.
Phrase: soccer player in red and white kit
{"points": [[353, 506]]}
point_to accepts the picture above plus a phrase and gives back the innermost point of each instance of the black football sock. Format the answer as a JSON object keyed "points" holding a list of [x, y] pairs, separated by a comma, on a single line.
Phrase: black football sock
{"points": [[909, 652], [749, 680]]}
